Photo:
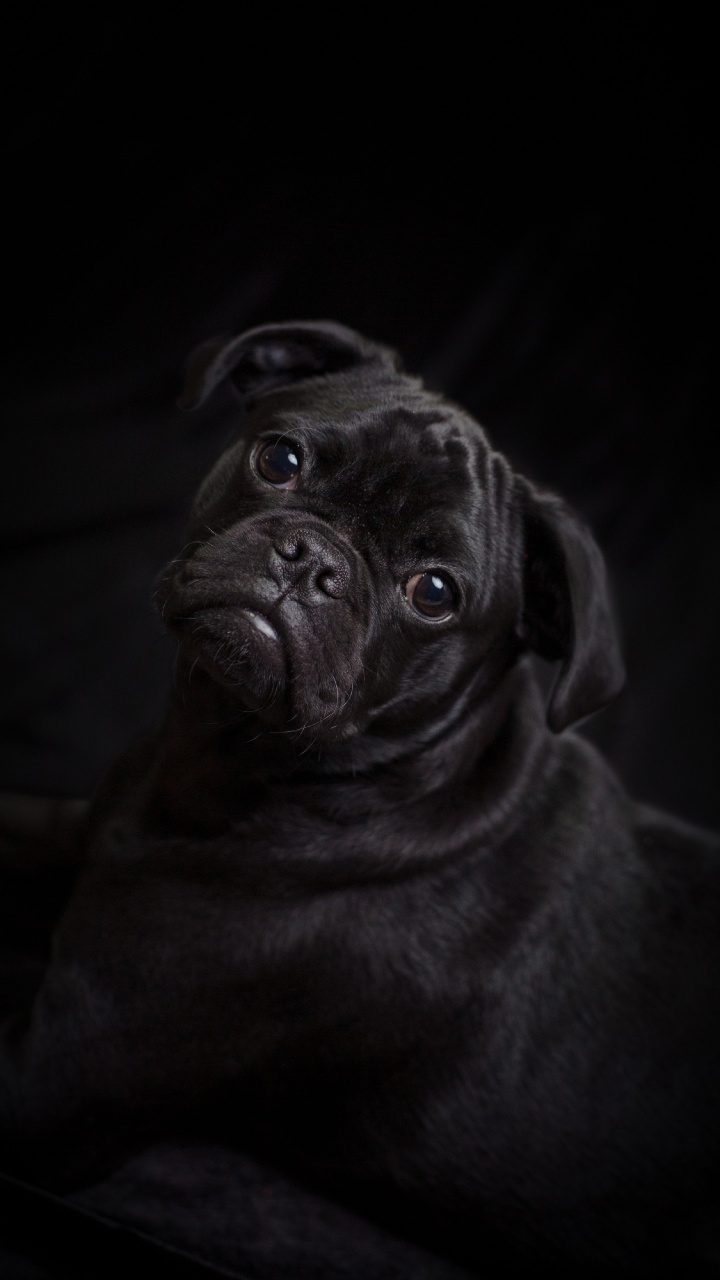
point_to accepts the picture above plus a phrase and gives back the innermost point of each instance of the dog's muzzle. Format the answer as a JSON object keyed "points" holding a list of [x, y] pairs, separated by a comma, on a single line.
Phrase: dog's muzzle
{"points": [[277, 610]]}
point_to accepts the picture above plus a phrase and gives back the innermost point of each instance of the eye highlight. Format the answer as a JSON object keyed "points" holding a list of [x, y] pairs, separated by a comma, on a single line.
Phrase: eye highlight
{"points": [[431, 596], [279, 463]]}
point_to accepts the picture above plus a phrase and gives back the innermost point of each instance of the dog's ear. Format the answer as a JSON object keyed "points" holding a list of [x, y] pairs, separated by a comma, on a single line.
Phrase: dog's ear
{"points": [[568, 613], [274, 355]]}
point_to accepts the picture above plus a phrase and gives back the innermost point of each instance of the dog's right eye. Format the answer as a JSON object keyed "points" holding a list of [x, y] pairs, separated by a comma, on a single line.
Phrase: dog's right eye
{"points": [[279, 463]]}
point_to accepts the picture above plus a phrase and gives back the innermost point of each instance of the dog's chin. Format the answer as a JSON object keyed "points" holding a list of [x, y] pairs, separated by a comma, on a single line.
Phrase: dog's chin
{"points": [[243, 652], [240, 650]]}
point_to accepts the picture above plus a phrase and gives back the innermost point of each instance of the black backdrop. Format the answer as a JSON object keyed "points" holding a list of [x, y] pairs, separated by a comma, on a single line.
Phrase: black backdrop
{"points": [[527, 214], [525, 209]]}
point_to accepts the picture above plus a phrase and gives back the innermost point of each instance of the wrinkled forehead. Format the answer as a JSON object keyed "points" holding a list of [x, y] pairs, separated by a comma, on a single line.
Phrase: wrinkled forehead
{"points": [[398, 440], [408, 472], [398, 466]]}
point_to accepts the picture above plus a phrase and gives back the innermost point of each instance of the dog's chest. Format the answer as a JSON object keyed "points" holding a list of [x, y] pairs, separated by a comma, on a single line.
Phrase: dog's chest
{"points": [[209, 929]]}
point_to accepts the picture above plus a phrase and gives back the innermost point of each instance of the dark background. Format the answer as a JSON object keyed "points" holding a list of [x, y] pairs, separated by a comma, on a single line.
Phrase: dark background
{"points": [[525, 208], [526, 213]]}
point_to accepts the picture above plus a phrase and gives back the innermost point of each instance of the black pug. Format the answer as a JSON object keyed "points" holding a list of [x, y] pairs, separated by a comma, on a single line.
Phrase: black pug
{"points": [[360, 904]]}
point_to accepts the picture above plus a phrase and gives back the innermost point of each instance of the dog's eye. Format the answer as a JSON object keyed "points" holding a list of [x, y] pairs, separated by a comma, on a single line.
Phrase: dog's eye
{"points": [[430, 595], [279, 463]]}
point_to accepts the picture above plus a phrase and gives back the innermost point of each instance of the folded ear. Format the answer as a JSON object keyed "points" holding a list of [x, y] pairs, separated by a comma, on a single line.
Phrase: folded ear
{"points": [[274, 355], [568, 613]]}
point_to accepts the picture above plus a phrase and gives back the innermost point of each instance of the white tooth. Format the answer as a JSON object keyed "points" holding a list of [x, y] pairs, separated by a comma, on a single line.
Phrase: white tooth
{"points": [[261, 625]]}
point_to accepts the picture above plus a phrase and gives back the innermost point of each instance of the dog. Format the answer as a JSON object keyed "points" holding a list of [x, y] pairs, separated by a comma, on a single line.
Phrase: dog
{"points": [[365, 902]]}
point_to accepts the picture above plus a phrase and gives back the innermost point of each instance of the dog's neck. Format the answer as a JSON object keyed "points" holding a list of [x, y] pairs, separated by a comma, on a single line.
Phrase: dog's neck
{"points": [[215, 764]]}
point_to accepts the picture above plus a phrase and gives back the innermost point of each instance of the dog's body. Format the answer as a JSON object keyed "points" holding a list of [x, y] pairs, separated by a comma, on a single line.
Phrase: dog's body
{"points": [[356, 904]]}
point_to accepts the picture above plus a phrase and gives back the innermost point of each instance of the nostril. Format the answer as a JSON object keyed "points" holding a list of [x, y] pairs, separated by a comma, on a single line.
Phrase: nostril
{"points": [[290, 548], [333, 582]]}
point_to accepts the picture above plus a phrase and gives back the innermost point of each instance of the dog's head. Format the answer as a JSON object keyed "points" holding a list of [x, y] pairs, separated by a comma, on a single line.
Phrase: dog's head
{"points": [[360, 557]]}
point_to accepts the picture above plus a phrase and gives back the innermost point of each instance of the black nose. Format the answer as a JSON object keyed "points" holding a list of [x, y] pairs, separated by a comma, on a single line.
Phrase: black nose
{"points": [[315, 560]]}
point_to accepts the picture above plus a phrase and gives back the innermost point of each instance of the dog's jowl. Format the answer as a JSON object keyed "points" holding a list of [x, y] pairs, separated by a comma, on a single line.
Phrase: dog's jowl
{"points": [[365, 902]]}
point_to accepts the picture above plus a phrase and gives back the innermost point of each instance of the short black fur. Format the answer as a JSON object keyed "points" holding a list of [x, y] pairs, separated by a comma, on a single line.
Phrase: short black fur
{"points": [[358, 904]]}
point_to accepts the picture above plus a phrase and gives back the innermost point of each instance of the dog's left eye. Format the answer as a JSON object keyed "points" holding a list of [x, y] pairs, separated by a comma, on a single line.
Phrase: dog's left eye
{"points": [[279, 463], [430, 595]]}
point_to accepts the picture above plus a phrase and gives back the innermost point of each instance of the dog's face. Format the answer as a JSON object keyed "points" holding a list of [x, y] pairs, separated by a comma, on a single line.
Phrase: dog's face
{"points": [[359, 556]]}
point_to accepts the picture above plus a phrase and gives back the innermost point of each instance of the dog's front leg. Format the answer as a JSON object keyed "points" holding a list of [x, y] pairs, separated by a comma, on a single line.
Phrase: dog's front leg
{"points": [[157, 1000], [41, 843], [41, 840], [65, 1082]]}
